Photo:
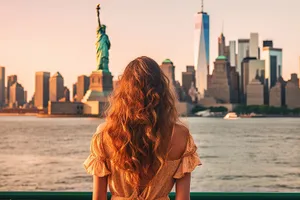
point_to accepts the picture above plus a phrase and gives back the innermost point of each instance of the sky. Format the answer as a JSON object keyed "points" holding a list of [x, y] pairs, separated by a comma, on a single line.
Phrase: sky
{"points": [[60, 35]]}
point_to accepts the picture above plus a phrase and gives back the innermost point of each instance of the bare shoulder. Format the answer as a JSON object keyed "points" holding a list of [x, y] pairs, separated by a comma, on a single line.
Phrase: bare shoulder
{"points": [[100, 127], [181, 132], [179, 141], [105, 139]]}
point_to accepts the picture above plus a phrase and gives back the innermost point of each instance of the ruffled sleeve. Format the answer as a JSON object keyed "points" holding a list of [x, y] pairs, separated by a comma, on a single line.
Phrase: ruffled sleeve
{"points": [[189, 161], [96, 163]]}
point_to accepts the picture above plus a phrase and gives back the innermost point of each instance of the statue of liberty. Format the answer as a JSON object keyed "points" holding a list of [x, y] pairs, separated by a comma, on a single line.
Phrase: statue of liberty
{"points": [[102, 45]]}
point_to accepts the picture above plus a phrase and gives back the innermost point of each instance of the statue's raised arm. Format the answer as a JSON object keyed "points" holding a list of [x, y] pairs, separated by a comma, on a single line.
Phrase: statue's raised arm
{"points": [[98, 15], [102, 45]]}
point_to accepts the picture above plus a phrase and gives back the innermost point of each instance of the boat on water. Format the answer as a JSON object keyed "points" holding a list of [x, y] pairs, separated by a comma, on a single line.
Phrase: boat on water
{"points": [[231, 115], [204, 113], [252, 115]]}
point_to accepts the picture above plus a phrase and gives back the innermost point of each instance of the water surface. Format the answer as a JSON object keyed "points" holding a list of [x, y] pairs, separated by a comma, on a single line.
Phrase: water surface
{"points": [[46, 154]]}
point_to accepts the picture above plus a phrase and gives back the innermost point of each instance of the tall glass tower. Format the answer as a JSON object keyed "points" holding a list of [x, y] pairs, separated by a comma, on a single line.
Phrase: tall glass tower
{"points": [[201, 51]]}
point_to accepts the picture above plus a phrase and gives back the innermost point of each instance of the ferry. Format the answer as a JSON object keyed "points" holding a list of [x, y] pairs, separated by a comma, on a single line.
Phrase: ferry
{"points": [[231, 115]]}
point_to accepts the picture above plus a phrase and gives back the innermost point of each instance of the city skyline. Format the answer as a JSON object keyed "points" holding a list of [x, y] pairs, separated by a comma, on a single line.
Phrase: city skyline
{"points": [[30, 40]]}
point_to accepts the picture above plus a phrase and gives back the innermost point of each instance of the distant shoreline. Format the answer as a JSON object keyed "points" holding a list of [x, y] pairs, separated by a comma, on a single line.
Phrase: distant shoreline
{"points": [[39, 115], [18, 114], [66, 116]]}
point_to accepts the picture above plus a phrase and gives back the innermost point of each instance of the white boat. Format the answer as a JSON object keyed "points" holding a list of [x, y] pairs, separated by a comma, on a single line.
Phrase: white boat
{"points": [[231, 115], [204, 113]]}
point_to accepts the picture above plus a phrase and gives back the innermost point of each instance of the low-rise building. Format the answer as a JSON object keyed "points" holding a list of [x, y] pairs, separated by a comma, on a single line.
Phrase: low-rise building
{"points": [[292, 95]]}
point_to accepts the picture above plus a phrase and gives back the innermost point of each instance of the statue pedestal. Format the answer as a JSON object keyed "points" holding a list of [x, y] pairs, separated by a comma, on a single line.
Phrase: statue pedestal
{"points": [[101, 86]]}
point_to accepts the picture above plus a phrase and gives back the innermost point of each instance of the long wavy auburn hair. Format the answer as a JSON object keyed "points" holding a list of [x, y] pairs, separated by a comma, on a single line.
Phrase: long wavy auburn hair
{"points": [[140, 119]]}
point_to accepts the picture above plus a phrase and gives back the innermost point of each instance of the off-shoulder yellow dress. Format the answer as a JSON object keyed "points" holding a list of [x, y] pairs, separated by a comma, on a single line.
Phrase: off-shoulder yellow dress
{"points": [[99, 164]]}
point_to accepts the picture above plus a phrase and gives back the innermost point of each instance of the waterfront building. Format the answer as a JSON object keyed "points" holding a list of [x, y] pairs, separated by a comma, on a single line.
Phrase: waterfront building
{"points": [[181, 95], [188, 77], [56, 90], [2, 86], [277, 93], [168, 68], [220, 86], [232, 53], [201, 51], [41, 94], [74, 92], [16, 97], [25, 96], [10, 81], [65, 108], [273, 65], [83, 84], [294, 79], [192, 94], [66, 97], [5, 95], [255, 93], [292, 95], [253, 45]]}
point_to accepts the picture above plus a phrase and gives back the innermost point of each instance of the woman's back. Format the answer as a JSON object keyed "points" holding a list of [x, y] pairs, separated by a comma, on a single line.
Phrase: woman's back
{"points": [[140, 150], [182, 159]]}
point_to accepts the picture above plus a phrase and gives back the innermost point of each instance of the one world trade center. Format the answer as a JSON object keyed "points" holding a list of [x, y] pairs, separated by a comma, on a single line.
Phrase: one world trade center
{"points": [[201, 51]]}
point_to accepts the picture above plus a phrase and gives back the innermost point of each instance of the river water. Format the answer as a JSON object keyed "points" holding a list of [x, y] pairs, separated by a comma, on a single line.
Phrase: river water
{"points": [[253, 155]]}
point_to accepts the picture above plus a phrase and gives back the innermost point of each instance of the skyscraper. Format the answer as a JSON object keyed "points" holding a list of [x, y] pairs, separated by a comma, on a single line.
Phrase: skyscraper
{"points": [[56, 87], [2, 86], [188, 79], [243, 52], [10, 81], [66, 94], [244, 78], [41, 95], [299, 71], [267, 43], [168, 68], [292, 95], [257, 70], [83, 84], [201, 51], [232, 55], [25, 96], [16, 93], [294, 79], [273, 65], [220, 86], [221, 45], [74, 91], [253, 46]]}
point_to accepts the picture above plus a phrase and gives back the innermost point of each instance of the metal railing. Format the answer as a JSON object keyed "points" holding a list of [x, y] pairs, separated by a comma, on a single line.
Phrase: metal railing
{"points": [[194, 195]]}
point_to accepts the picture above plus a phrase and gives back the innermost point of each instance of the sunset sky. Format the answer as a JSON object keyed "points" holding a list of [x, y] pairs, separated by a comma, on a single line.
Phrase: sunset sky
{"points": [[60, 35]]}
